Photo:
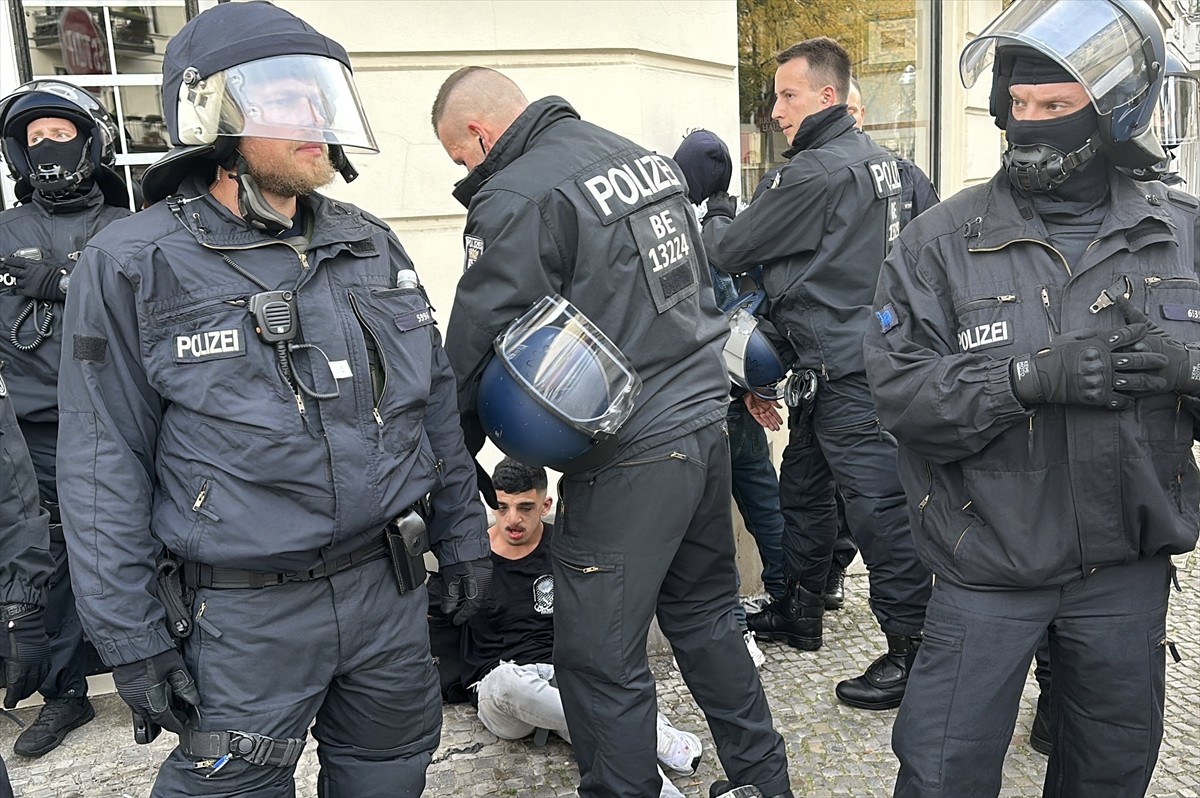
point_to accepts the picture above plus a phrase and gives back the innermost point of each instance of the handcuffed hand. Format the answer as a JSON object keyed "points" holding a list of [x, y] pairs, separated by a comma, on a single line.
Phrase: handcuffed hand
{"points": [[159, 689], [465, 586], [764, 412], [1181, 371], [26, 653]]}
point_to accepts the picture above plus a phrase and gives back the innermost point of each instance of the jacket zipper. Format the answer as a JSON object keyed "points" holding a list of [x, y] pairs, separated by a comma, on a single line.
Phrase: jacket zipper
{"points": [[1154, 281], [1051, 322], [379, 351], [988, 301], [198, 505], [587, 569]]}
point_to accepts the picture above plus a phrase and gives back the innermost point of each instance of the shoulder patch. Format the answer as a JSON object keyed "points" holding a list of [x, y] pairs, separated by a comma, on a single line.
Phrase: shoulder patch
{"points": [[887, 316], [885, 176], [209, 345], [472, 250]]}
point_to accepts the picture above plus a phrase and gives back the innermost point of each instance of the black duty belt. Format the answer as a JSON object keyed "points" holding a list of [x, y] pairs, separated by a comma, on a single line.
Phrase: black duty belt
{"points": [[197, 574]]}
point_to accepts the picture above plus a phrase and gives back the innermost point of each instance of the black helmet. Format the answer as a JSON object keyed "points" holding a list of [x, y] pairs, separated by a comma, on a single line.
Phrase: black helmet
{"points": [[1113, 48], [221, 79], [56, 98]]}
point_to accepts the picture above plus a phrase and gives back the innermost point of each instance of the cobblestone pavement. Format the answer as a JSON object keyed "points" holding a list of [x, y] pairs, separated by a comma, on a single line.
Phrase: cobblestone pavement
{"points": [[833, 750]]}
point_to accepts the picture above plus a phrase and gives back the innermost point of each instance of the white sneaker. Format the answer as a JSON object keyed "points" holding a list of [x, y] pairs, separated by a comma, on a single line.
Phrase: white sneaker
{"points": [[678, 750], [756, 654]]}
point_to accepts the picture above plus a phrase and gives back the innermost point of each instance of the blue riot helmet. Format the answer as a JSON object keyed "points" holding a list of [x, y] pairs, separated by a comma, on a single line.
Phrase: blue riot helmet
{"points": [[1114, 48], [752, 352], [253, 70], [557, 390]]}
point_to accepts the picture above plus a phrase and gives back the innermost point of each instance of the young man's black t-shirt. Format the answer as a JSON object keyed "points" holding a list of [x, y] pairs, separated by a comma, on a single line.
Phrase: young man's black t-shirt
{"points": [[517, 623]]}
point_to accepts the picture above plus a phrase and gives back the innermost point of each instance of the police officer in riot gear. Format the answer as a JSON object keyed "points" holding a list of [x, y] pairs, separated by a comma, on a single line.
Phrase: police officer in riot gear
{"points": [[57, 140], [26, 568], [558, 206], [1033, 350], [831, 212], [264, 437]]}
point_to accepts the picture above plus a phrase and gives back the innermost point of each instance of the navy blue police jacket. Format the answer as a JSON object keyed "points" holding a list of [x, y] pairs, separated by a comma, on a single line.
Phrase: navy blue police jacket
{"points": [[177, 429], [59, 229], [1007, 497], [566, 207], [820, 229], [25, 561]]}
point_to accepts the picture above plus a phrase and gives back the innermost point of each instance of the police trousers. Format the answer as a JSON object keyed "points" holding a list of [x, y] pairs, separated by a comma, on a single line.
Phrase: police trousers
{"points": [[1107, 636], [68, 649], [347, 650], [653, 536], [847, 447]]}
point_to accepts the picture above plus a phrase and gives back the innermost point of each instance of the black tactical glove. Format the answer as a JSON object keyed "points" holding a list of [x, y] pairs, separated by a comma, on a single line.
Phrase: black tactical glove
{"points": [[1181, 372], [465, 586], [36, 279], [720, 204], [26, 653], [1084, 368], [159, 689]]}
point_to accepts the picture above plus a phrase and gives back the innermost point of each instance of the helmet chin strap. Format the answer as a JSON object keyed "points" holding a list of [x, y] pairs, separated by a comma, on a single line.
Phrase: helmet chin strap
{"points": [[1041, 168], [252, 205]]}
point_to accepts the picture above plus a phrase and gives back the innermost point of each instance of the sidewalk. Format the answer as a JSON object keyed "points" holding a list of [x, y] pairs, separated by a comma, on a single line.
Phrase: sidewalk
{"points": [[833, 750]]}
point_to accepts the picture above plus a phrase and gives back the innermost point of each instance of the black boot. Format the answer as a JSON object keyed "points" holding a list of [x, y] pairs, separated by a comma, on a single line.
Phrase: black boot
{"points": [[725, 789], [794, 619], [58, 717], [1041, 734], [835, 587], [882, 686]]}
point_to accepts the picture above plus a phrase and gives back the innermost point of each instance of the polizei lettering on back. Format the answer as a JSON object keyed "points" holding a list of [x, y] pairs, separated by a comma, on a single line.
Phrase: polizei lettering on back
{"points": [[209, 345], [617, 189], [982, 336]]}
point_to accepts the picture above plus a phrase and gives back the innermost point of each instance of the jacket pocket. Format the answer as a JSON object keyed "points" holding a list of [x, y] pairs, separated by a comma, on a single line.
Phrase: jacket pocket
{"points": [[987, 321], [396, 359]]}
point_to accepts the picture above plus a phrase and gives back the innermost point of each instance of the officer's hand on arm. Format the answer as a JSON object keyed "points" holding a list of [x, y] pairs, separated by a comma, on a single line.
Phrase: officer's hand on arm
{"points": [[1181, 371], [37, 279], [764, 412], [26, 651], [159, 688], [1085, 368], [465, 585]]}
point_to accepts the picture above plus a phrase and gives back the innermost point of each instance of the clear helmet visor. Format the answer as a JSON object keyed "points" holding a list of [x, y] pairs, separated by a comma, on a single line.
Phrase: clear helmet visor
{"points": [[568, 364], [1175, 119], [1096, 42], [291, 97]]}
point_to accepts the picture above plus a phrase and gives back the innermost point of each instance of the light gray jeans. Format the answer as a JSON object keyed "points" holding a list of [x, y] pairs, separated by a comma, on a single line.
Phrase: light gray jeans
{"points": [[515, 700]]}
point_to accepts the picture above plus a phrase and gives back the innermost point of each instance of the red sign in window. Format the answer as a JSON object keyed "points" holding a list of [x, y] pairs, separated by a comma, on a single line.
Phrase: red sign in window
{"points": [[83, 49]]}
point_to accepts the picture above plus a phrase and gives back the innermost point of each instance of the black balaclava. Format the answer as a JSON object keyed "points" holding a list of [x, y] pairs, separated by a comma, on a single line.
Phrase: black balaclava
{"points": [[1044, 143], [65, 155]]}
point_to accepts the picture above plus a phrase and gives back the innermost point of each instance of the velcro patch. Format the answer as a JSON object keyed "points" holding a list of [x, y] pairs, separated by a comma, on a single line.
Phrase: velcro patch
{"points": [[209, 345], [413, 319], [888, 318], [87, 347], [364, 246], [1181, 312]]}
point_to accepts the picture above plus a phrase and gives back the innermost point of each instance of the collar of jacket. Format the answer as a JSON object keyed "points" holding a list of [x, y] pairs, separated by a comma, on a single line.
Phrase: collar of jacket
{"points": [[214, 225], [537, 117], [1003, 216], [76, 203], [820, 128]]}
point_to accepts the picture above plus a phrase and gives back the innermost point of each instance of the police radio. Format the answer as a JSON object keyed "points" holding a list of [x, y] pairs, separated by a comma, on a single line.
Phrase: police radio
{"points": [[275, 316]]}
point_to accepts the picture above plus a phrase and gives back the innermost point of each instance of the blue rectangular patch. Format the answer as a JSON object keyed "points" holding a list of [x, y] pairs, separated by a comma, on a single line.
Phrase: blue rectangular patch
{"points": [[887, 317], [413, 319], [1181, 312]]}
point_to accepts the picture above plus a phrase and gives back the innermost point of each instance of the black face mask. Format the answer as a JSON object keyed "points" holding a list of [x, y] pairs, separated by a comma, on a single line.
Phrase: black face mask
{"points": [[59, 167], [1043, 155]]}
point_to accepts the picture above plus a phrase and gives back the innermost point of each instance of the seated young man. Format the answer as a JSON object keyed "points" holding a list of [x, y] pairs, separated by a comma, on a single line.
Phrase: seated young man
{"points": [[507, 646]]}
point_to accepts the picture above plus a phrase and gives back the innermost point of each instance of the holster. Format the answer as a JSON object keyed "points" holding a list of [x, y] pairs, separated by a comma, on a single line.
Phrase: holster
{"points": [[175, 598], [408, 540]]}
